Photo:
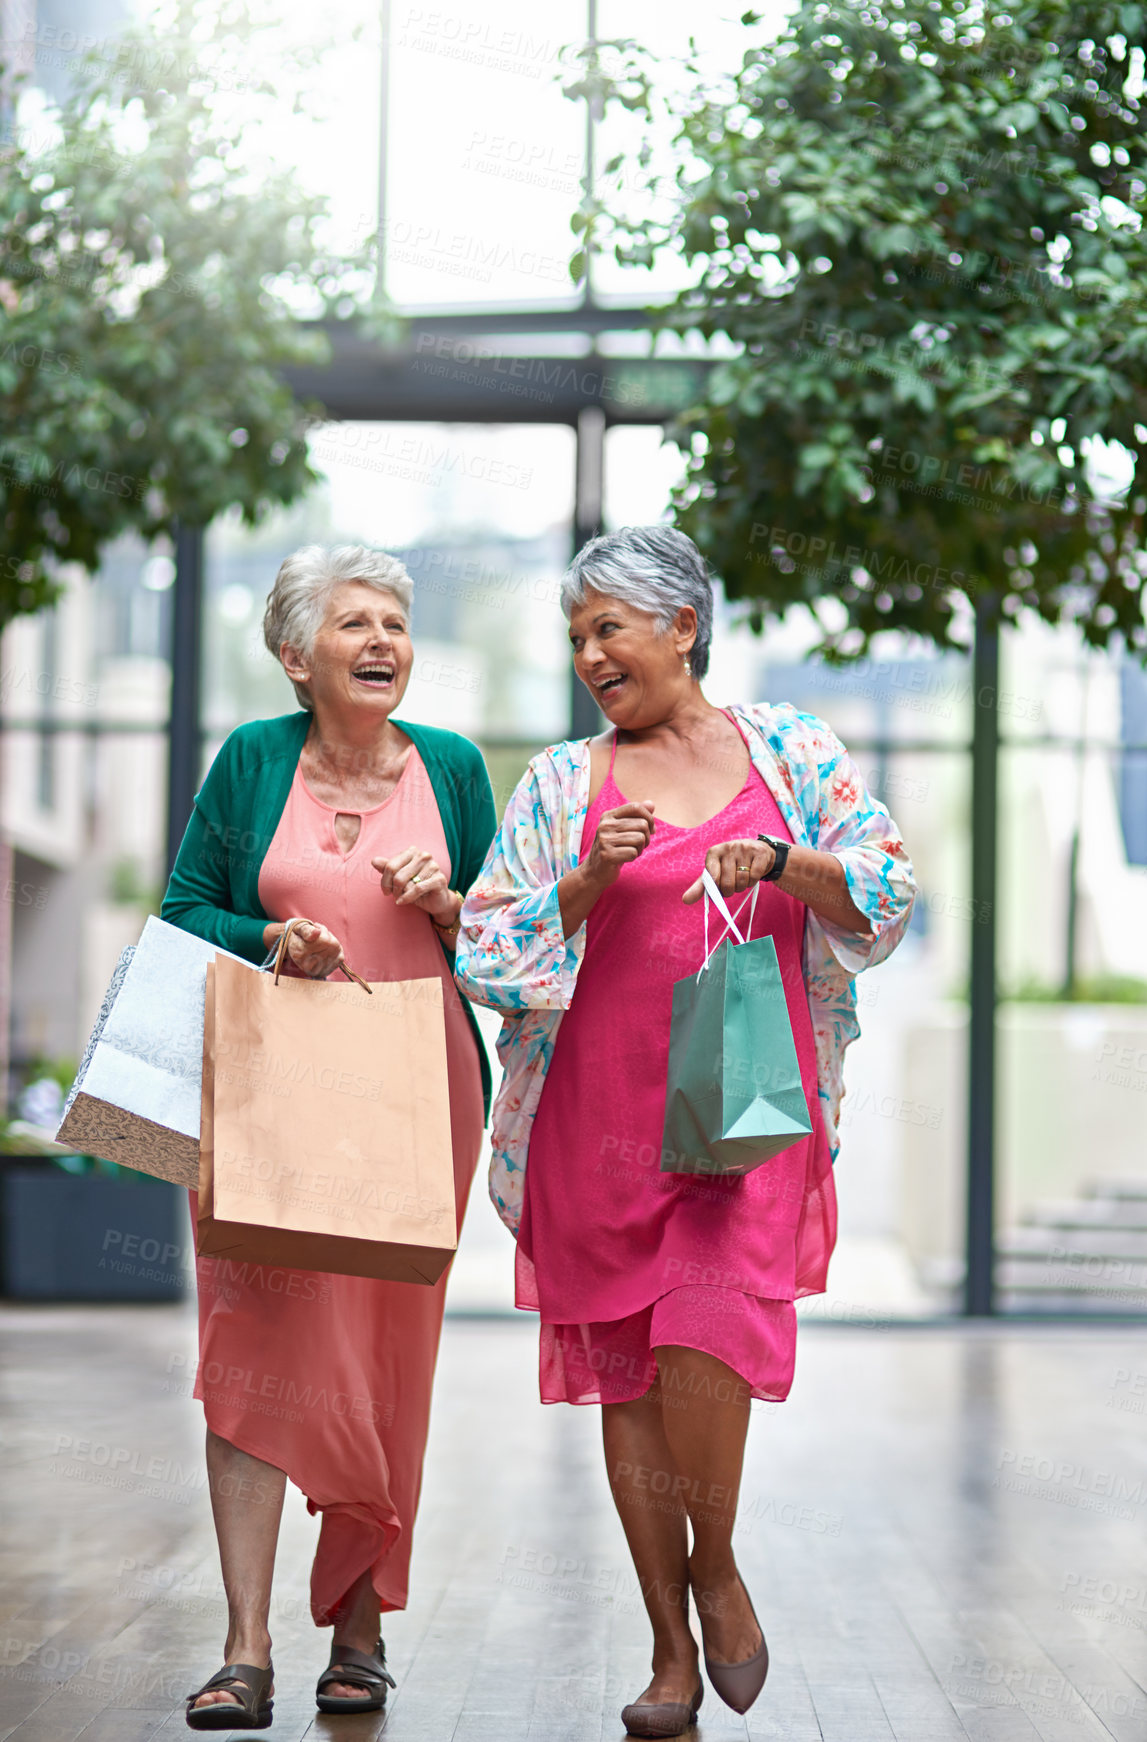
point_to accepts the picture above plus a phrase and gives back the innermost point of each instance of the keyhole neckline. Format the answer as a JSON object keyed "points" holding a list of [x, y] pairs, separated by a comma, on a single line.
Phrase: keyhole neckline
{"points": [[345, 852]]}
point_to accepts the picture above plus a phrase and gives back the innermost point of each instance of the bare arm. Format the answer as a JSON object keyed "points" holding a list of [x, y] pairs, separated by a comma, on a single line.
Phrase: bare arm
{"points": [[815, 878], [819, 881]]}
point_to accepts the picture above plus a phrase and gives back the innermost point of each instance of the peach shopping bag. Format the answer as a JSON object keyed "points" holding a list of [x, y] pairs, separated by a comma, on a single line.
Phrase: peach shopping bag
{"points": [[325, 1139]]}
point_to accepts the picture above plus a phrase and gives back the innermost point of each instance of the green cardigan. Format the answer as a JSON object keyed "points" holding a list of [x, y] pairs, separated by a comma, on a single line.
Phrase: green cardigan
{"points": [[214, 887]]}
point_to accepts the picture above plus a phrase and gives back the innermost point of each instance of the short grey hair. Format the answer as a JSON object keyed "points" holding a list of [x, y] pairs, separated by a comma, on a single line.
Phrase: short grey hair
{"points": [[298, 601], [653, 568]]}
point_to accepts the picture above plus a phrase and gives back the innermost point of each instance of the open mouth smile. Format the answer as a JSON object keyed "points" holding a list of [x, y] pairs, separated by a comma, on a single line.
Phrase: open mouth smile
{"points": [[374, 676], [609, 686]]}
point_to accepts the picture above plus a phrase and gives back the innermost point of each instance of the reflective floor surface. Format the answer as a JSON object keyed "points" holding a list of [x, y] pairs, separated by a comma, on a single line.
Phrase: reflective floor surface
{"points": [[943, 1532]]}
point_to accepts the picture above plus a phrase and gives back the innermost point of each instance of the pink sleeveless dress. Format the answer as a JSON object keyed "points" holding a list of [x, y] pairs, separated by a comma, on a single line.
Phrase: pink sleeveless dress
{"points": [[353, 1358], [616, 1256]]}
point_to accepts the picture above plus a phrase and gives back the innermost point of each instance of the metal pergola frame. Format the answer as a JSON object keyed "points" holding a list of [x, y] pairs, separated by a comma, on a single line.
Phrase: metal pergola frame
{"points": [[447, 370], [470, 381], [364, 382]]}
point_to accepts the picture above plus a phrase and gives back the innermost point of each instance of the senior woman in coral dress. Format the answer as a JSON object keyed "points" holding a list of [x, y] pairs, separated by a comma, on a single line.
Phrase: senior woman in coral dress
{"points": [[362, 824], [668, 1298]]}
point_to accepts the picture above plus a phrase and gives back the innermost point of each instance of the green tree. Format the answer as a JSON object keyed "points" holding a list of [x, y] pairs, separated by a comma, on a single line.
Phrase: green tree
{"points": [[149, 286], [920, 222]]}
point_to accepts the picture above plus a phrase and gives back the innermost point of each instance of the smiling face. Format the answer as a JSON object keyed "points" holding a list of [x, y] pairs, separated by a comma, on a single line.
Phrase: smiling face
{"points": [[634, 670], [362, 654]]}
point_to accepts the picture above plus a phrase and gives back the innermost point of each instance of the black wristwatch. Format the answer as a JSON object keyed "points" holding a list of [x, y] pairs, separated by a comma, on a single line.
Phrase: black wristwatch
{"points": [[781, 851]]}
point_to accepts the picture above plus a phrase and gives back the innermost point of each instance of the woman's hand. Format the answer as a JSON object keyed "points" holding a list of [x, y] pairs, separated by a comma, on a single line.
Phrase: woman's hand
{"points": [[622, 836], [414, 879], [734, 867], [818, 879], [314, 950]]}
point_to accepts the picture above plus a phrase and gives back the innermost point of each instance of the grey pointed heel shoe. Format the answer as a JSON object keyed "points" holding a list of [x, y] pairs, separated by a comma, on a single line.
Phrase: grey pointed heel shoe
{"points": [[665, 1720], [739, 1684]]}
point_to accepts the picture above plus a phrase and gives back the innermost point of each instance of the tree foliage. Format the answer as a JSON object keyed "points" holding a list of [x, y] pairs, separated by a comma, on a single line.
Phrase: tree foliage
{"points": [[920, 223], [148, 287]]}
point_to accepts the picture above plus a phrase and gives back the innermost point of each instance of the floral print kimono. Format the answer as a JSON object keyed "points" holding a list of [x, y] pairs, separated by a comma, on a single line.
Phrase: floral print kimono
{"points": [[512, 955]]}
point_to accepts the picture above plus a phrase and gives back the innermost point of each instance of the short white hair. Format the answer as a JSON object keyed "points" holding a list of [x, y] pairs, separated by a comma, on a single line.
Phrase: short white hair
{"points": [[653, 568], [298, 601]]}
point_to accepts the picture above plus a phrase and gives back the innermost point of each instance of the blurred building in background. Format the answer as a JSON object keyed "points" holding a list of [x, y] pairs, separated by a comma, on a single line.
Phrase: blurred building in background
{"points": [[484, 517]]}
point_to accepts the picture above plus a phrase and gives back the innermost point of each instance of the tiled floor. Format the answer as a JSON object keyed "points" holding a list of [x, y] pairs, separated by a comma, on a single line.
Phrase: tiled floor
{"points": [[943, 1532]]}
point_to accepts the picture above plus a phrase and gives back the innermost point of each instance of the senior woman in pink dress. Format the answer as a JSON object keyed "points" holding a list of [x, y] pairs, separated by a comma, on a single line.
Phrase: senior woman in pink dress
{"points": [[668, 1298], [360, 823]]}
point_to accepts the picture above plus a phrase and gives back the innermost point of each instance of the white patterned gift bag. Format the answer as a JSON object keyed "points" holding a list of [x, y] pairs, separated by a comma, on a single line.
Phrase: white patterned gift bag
{"points": [[136, 1097]]}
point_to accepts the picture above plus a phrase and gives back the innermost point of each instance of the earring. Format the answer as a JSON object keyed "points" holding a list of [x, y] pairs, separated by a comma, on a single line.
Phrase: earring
{"points": [[688, 667]]}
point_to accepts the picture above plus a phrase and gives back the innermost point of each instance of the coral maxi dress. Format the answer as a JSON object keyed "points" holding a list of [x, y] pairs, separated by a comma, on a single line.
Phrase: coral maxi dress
{"points": [[329, 1377], [618, 1257]]}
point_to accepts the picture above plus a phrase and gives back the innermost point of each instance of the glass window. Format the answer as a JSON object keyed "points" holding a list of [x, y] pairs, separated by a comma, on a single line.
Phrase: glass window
{"points": [[481, 517], [486, 155]]}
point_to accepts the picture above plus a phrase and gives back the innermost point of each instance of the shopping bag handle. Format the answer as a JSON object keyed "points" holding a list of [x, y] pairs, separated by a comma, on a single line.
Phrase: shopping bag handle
{"points": [[713, 894], [281, 952]]}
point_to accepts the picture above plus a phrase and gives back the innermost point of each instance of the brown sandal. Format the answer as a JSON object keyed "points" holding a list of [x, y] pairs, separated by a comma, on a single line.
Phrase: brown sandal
{"points": [[251, 1687], [357, 1669]]}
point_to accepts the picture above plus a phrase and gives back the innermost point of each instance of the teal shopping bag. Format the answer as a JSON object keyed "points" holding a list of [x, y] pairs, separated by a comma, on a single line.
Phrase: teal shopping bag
{"points": [[733, 1093]]}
